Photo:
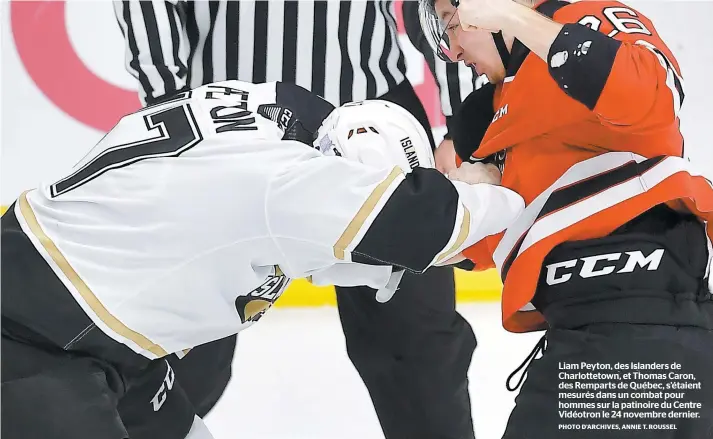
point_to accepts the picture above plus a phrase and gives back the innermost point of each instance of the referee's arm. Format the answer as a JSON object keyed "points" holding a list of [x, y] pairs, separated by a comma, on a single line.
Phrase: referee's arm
{"points": [[157, 45]]}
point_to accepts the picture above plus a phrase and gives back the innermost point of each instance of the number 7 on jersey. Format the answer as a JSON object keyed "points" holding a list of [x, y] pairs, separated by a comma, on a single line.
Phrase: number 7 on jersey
{"points": [[176, 132]]}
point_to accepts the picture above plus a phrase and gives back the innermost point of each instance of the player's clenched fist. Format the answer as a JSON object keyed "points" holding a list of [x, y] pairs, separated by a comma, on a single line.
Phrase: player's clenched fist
{"points": [[484, 14], [445, 156], [473, 173]]}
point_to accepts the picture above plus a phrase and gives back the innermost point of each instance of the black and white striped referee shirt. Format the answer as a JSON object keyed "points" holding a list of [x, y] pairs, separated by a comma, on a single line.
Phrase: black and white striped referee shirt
{"points": [[341, 50], [455, 80]]}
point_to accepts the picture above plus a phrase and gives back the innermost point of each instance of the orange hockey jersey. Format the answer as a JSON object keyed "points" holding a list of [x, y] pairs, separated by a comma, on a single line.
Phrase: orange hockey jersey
{"points": [[584, 171]]}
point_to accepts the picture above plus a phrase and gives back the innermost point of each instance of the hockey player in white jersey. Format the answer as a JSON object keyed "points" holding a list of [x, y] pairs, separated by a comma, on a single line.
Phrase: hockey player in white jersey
{"points": [[187, 221]]}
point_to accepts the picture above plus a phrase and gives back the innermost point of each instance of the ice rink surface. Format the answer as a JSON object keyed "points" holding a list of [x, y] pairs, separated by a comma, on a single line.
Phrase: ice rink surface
{"points": [[292, 379]]}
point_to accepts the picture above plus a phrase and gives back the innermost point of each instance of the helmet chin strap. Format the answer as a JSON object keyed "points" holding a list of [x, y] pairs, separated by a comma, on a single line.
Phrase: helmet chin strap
{"points": [[502, 48]]}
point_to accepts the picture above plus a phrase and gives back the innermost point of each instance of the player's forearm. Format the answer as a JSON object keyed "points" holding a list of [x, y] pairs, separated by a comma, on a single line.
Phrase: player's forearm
{"points": [[429, 220], [533, 29], [329, 210]]}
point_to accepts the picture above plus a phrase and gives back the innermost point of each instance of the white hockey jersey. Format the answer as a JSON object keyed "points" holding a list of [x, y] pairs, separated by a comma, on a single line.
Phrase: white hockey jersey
{"points": [[185, 223]]}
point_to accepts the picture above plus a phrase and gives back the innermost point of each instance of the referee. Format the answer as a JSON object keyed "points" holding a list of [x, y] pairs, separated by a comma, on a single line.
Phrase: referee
{"points": [[455, 82], [413, 352]]}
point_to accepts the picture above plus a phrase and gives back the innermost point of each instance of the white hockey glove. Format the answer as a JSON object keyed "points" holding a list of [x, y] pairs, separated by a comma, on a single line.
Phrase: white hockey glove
{"points": [[386, 293]]}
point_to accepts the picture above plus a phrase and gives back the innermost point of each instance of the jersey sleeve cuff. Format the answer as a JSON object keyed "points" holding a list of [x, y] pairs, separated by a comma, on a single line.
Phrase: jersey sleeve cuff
{"points": [[580, 61]]}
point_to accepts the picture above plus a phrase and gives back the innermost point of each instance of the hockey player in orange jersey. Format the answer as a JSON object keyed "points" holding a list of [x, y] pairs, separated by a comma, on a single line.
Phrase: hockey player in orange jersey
{"points": [[612, 254]]}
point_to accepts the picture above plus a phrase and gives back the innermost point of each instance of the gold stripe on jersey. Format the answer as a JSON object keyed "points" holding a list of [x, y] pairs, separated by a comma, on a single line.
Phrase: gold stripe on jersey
{"points": [[358, 221], [94, 303], [462, 235]]}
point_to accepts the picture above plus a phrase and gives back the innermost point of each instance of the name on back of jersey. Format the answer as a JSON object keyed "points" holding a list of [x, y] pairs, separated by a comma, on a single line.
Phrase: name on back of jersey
{"points": [[234, 117]]}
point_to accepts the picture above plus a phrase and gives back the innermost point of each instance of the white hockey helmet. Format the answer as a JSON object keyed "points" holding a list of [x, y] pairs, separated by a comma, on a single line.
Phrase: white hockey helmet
{"points": [[377, 133]]}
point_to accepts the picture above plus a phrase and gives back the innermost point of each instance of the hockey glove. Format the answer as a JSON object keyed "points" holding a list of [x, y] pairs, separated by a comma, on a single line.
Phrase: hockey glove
{"points": [[468, 126]]}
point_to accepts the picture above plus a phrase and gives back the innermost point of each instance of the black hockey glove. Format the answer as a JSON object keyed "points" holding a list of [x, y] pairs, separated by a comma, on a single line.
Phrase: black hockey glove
{"points": [[297, 112], [468, 126]]}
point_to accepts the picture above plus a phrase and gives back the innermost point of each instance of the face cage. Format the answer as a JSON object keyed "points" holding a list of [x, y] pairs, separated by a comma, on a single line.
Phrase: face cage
{"points": [[435, 29]]}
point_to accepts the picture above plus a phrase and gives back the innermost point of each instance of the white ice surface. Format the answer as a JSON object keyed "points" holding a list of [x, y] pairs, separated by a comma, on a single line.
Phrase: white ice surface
{"points": [[292, 379]]}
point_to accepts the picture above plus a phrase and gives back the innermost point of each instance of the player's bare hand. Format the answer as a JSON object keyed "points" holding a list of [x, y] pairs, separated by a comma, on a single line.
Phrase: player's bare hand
{"points": [[488, 15], [445, 156], [474, 173]]}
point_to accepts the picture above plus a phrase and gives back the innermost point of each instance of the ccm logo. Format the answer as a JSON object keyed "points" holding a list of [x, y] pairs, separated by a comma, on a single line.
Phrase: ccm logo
{"points": [[593, 266], [502, 111], [285, 118], [167, 384]]}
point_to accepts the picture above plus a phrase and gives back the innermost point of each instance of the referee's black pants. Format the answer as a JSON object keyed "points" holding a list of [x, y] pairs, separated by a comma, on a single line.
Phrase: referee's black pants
{"points": [[412, 353]]}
